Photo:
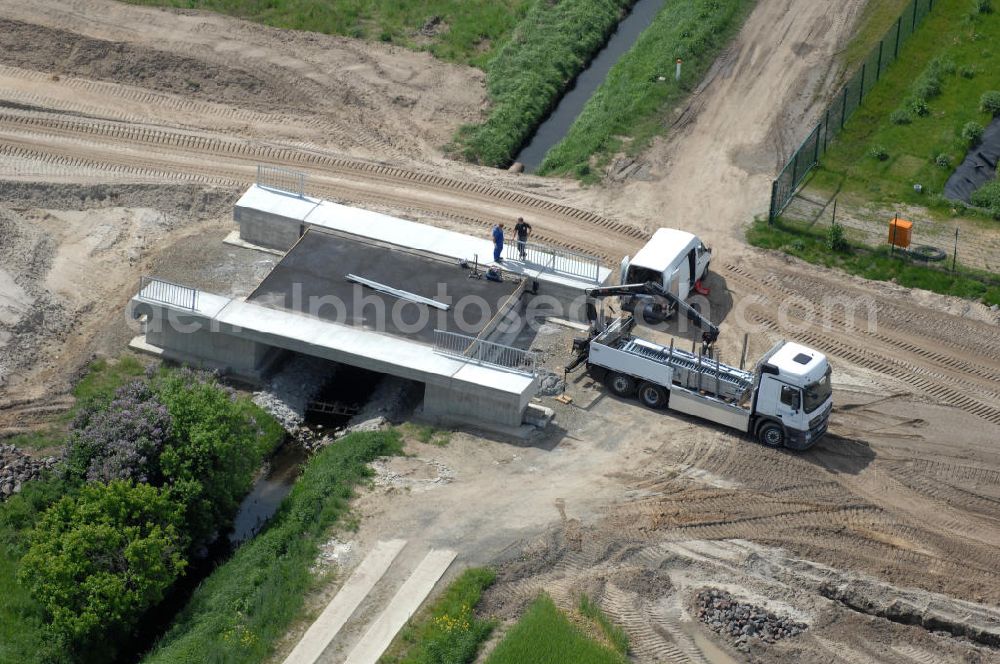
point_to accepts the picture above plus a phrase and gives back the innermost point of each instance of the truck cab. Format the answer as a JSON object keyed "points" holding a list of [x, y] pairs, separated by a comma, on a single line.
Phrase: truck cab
{"points": [[793, 396], [672, 258]]}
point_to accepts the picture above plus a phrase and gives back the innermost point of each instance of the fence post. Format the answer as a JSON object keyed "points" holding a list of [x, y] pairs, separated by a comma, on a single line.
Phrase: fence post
{"points": [[826, 129], [954, 255], [819, 128], [878, 68], [861, 94], [843, 110], [795, 167], [899, 29], [774, 197], [912, 29]]}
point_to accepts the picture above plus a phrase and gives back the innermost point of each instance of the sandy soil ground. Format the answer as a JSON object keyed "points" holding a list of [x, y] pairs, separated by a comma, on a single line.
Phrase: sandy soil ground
{"points": [[126, 133], [713, 172]]}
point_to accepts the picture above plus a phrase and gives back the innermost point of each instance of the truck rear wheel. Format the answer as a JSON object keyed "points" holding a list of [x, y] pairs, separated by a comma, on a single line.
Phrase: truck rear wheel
{"points": [[620, 384], [771, 434], [653, 396]]}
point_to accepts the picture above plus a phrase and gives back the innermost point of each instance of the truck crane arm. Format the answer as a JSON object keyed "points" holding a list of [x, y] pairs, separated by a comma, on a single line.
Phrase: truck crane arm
{"points": [[710, 332]]}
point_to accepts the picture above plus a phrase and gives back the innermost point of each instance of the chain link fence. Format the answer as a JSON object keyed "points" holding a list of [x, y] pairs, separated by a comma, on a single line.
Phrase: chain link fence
{"points": [[845, 104]]}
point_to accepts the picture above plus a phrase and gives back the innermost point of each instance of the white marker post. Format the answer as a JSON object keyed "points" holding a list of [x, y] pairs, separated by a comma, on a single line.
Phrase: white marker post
{"points": [[677, 76]]}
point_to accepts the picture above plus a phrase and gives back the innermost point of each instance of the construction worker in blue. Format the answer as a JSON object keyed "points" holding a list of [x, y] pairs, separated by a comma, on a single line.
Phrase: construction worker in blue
{"points": [[497, 243]]}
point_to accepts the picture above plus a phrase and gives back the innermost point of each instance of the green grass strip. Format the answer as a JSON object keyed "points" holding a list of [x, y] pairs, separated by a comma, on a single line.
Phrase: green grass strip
{"points": [[527, 77], [888, 146], [465, 31], [810, 245], [545, 636], [446, 632], [632, 102], [615, 634], [240, 611]]}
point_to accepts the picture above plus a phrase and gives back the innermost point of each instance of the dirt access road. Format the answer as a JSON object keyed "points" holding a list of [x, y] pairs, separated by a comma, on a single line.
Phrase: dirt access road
{"points": [[126, 133]]}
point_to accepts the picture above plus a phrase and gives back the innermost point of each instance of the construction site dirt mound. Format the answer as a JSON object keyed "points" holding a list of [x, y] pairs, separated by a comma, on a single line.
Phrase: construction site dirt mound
{"points": [[69, 53]]}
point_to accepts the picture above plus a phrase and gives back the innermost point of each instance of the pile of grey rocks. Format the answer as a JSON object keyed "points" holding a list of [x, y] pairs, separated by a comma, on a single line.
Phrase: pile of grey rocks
{"points": [[550, 384], [16, 468], [289, 391], [741, 622]]}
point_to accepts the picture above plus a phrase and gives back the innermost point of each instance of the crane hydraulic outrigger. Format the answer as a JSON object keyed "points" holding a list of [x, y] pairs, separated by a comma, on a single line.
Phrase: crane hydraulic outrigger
{"points": [[785, 400]]}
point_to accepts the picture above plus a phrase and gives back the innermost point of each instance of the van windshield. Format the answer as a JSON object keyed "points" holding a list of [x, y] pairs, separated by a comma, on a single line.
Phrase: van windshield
{"points": [[817, 393]]}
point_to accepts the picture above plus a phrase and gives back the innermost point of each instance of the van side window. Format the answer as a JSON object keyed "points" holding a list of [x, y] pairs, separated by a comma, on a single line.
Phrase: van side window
{"points": [[790, 396]]}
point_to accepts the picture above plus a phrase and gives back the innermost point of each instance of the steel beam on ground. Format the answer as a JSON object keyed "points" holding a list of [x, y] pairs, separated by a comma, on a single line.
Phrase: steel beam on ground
{"points": [[401, 294]]}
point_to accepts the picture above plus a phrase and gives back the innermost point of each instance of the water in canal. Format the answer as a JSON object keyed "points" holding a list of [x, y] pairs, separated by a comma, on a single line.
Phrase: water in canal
{"points": [[558, 123]]}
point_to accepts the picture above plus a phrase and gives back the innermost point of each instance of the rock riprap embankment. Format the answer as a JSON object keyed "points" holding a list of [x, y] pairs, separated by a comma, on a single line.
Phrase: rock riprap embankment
{"points": [[16, 468], [741, 622]]}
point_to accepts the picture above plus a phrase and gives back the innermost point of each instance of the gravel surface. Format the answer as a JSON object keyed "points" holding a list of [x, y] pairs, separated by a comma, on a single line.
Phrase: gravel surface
{"points": [[741, 622], [16, 467]]}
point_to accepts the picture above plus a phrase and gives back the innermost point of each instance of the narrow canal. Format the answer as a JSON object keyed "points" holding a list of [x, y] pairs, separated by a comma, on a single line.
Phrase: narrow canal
{"points": [[569, 107]]}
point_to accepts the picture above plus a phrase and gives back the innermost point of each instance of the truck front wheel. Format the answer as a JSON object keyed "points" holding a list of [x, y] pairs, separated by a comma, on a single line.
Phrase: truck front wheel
{"points": [[771, 434], [620, 384], [653, 396]]}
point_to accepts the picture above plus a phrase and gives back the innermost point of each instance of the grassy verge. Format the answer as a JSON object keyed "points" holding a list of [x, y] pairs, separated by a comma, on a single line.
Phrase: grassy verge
{"points": [[526, 78], [544, 635], [426, 434], [464, 31], [246, 605], [811, 245], [446, 632], [615, 634], [630, 105], [911, 127]]}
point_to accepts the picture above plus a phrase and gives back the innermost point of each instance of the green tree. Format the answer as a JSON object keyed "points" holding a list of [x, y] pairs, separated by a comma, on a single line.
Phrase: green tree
{"points": [[217, 443], [99, 559]]}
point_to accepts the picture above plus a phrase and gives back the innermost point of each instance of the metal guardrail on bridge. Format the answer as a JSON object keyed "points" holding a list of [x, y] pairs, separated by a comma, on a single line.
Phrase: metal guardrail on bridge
{"points": [[281, 179], [551, 259], [464, 347], [165, 292]]}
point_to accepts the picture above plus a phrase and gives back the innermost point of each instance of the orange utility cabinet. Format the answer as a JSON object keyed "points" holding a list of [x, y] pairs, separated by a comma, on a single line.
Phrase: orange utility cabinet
{"points": [[900, 231]]}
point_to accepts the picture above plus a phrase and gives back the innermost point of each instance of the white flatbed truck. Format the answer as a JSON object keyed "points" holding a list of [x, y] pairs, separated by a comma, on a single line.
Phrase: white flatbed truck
{"points": [[784, 402]]}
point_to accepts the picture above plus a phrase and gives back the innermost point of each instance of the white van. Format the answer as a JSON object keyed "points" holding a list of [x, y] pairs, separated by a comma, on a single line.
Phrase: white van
{"points": [[675, 259]]}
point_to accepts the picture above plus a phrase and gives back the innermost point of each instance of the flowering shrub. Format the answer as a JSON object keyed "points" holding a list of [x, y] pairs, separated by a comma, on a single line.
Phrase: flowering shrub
{"points": [[123, 440]]}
